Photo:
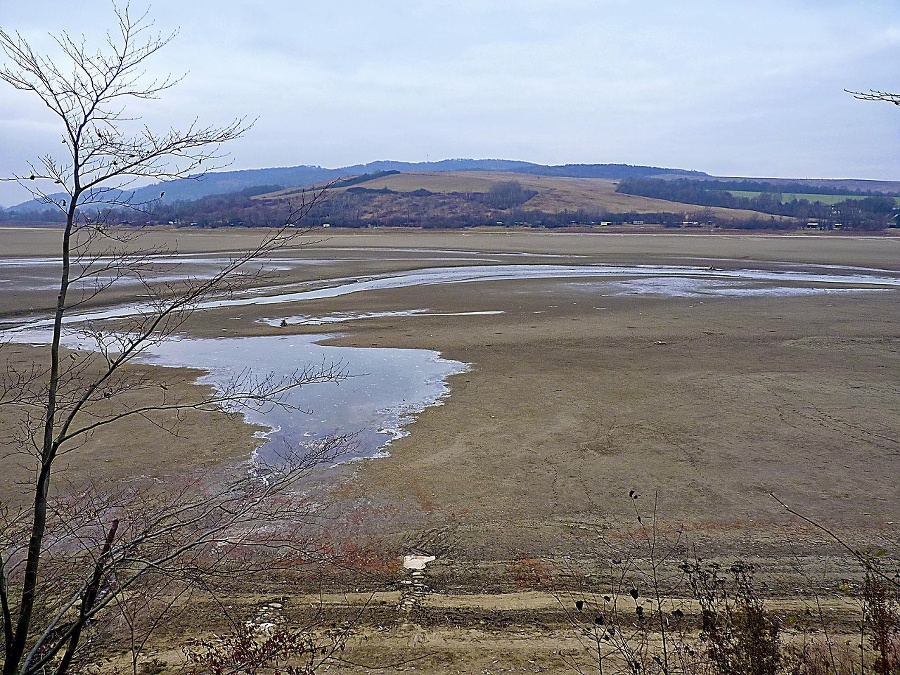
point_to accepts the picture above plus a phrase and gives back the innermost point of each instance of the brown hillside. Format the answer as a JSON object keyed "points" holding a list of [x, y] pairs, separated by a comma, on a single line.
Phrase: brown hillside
{"points": [[555, 194]]}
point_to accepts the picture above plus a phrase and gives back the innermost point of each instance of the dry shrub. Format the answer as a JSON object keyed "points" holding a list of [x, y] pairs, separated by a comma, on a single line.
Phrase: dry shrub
{"points": [[251, 651], [881, 614], [530, 573], [815, 657], [739, 635]]}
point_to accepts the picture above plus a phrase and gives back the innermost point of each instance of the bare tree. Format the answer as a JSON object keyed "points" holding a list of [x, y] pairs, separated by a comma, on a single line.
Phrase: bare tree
{"points": [[67, 561], [875, 95]]}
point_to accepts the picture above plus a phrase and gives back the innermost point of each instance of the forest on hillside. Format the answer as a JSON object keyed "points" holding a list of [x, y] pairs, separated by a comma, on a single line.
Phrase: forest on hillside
{"points": [[505, 203], [863, 210]]}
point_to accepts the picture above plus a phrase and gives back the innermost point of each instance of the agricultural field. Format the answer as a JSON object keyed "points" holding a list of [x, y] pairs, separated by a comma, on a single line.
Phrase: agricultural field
{"points": [[810, 197]]}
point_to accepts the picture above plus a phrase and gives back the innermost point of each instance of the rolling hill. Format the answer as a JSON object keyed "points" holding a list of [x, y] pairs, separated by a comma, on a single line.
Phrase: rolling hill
{"points": [[463, 192], [225, 182], [419, 196]]}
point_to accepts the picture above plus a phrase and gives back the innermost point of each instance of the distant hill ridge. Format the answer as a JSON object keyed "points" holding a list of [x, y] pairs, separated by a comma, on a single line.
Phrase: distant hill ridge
{"points": [[251, 180], [232, 181], [224, 182]]}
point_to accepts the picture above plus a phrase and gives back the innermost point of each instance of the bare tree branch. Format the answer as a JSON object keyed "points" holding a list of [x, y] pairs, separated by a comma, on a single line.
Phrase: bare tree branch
{"points": [[49, 551], [875, 95], [861, 557]]}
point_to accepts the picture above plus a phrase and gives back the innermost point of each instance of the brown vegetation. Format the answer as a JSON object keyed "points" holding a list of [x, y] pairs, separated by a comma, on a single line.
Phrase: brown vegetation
{"points": [[453, 191]]}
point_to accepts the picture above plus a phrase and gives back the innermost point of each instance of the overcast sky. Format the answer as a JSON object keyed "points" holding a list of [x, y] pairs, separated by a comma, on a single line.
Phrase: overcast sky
{"points": [[730, 87]]}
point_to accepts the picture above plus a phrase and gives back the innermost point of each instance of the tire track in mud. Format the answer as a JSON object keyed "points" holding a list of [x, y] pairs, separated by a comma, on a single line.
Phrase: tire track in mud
{"points": [[788, 409]]}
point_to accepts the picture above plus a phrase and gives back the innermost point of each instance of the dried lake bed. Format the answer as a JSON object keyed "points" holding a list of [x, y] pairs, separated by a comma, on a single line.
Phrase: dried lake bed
{"points": [[702, 391], [380, 390], [710, 370]]}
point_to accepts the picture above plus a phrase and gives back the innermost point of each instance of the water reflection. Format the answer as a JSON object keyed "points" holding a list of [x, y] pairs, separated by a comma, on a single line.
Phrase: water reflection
{"points": [[704, 288], [343, 317], [741, 282], [36, 274], [383, 391]]}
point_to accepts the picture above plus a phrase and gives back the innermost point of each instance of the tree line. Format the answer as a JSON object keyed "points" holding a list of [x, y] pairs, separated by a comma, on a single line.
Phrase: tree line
{"points": [[865, 210], [503, 204]]}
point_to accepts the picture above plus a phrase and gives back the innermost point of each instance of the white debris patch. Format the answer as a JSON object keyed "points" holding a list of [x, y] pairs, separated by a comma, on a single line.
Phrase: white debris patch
{"points": [[417, 562]]}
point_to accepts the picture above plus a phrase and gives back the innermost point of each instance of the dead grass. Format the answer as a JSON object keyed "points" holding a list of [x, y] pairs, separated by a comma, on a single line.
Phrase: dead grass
{"points": [[555, 194]]}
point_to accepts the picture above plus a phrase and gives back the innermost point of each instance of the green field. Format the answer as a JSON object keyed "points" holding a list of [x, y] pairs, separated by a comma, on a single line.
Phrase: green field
{"points": [[788, 196]]}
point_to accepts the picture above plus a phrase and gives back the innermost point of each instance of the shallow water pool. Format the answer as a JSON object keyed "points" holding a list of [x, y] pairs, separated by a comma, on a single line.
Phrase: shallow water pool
{"points": [[379, 393]]}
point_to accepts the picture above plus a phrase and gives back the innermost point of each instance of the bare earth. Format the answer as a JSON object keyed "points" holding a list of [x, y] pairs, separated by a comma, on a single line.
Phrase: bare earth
{"points": [[702, 406]]}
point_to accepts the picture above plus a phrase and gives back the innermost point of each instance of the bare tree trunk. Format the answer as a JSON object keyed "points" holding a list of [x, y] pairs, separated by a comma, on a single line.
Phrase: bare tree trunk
{"points": [[88, 600], [87, 92], [15, 649]]}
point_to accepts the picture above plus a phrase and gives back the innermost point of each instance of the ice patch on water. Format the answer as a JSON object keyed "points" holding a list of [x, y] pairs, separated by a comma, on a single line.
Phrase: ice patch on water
{"points": [[264, 434], [342, 317], [385, 390], [688, 287], [485, 273], [334, 317]]}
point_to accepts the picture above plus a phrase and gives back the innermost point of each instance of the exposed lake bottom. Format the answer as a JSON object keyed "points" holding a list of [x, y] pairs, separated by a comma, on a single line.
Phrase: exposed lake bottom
{"points": [[382, 389]]}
